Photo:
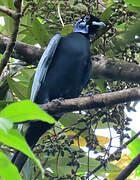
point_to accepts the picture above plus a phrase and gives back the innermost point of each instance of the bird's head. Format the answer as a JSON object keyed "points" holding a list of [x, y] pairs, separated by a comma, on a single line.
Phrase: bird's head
{"points": [[88, 25]]}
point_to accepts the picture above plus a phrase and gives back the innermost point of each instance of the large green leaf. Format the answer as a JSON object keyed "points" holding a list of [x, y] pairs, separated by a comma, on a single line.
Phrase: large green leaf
{"points": [[107, 13], [18, 112], [18, 87], [29, 38], [134, 147], [67, 29], [16, 140], [23, 111], [0, 30], [23, 83], [5, 124], [133, 2], [69, 118], [134, 8], [7, 169], [101, 85], [40, 34], [1, 2], [27, 73], [8, 27]]}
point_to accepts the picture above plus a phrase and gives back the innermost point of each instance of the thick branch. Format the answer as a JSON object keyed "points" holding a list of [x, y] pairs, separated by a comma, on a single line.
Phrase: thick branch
{"points": [[8, 11], [96, 101], [22, 51], [11, 44], [128, 170], [111, 70]]}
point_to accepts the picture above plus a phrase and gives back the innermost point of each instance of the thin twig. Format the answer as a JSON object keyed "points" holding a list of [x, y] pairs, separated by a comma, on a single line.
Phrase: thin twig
{"points": [[7, 150], [111, 157], [8, 11], [26, 7], [10, 46], [59, 14]]}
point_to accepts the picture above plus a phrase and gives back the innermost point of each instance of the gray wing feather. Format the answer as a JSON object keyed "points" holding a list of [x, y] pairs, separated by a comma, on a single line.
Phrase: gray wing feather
{"points": [[44, 64]]}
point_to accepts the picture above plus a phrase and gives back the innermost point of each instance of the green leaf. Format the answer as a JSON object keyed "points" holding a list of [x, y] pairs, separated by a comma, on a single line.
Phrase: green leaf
{"points": [[71, 118], [7, 28], [0, 27], [16, 140], [25, 110], [29, 38], [19, 88], [27, 73], [133, 2], [7, 169], [1, 2], [5, 124], [63, 169], [10, 4], [107, 13], [81, 7], [134, 8], [102, 125], [1, 55], [100, 83], [134, 147], [67, 29], [39, 32]]}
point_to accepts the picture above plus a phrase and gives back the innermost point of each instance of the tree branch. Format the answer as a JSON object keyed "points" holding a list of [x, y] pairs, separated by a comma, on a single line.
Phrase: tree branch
{"points": [[8, 11], [109, 69], [22, 51], [131, 167], [11, 44], [92, 102]]}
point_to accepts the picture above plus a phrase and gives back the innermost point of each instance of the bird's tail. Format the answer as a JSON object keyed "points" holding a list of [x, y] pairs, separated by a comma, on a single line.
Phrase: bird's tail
{"points": [[33, 133]]}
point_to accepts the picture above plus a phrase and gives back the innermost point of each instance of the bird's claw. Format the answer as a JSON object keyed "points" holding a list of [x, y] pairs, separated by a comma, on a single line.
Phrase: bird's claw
{"points": [[88, 94], [57, 101]]}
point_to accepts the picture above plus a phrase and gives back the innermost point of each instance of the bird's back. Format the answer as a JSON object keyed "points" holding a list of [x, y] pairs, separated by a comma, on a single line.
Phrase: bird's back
{"points": [[69, 70]]}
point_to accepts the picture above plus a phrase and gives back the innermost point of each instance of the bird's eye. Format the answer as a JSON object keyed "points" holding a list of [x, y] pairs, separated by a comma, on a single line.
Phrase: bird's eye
{"points": [[87, 18]]}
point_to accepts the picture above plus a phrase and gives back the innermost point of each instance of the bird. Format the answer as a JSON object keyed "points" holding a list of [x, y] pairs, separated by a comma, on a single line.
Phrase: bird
{"points": [[63, 71]]}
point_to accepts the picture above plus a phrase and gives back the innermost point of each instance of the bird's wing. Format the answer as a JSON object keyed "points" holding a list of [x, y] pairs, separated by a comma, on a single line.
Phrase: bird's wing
{"points": [[44, 64]]}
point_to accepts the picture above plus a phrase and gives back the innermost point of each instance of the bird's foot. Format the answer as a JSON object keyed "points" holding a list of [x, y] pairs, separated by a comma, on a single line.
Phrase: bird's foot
{"points": [[88, 94], [58, 101]]}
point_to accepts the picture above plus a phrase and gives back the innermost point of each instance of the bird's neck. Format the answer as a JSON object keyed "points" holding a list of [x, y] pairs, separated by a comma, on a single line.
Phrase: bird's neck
{"points": [[84, 34]]}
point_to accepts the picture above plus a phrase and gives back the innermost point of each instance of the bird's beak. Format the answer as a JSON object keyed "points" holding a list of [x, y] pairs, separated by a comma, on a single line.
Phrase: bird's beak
{"points": [[100, 24]]}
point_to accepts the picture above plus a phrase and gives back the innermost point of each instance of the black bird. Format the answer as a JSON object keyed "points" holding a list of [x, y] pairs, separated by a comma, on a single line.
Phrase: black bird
{"points": [[63, 71]]}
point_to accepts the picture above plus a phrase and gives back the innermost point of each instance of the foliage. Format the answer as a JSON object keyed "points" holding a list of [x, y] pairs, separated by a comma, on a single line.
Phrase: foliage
{"points": [[11, 137], [61, 147], [135, 149]]}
